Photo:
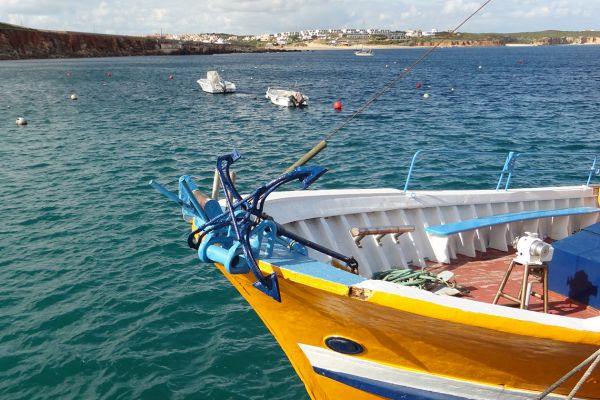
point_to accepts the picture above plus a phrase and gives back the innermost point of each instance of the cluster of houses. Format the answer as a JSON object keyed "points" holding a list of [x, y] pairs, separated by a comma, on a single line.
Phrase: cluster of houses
{"points": [[334, 35], [193, 37], [283, 38]]}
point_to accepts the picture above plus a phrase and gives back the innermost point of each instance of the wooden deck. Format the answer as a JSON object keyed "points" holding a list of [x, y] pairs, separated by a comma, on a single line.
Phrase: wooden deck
{"points": [[482, 276]]}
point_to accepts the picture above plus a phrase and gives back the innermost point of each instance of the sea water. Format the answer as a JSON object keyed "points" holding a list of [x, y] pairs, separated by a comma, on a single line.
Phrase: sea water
{"points": [[100, 297]]}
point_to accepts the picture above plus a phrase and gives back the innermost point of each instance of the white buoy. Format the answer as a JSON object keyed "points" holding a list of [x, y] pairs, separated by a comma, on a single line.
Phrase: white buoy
{"points": [[481, 66], [452, 89], [425, 95], [21, 121], [73, 96]]}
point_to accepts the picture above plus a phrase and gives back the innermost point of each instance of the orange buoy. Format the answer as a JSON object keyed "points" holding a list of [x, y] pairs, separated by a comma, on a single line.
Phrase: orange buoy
{"points": [[337, 105], [418, 85]]}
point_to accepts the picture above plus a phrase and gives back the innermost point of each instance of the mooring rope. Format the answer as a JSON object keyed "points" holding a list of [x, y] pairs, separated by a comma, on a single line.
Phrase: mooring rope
{"points": [[323, 143], [584, 378], [594, 359]]}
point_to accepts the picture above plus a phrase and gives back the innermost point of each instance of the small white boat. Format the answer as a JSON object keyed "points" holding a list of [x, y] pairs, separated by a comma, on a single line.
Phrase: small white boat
{"points": [[215, 84], [364, 52], [287, 98]]}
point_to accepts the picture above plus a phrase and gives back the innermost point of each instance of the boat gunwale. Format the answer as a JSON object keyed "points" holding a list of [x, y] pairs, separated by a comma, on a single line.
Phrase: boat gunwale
{"points": [[463, 311], [387, 199]]}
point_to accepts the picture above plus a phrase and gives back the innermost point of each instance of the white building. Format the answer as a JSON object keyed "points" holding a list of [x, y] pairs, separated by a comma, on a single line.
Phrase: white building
{"points": [[432, 32]]}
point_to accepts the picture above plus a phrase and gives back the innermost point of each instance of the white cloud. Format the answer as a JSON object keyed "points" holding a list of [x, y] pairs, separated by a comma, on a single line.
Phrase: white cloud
{"points": [[261, 16], [538, 12], [462, 6], [101, 11]]}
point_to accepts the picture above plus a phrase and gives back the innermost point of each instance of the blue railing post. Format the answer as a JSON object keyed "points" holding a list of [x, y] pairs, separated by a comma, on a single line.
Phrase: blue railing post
{"points": [[592, 170], [410, 170], [513, 159], [507, 169]]}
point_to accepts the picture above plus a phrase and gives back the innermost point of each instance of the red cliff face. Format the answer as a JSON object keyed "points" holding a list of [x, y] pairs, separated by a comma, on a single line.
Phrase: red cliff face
{"points": [[19, 43], [29, 43]]}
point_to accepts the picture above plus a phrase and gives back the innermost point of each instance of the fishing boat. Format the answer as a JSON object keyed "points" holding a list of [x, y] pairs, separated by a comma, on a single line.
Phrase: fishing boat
{"points": [[364, 52], [286, 97], [417, 294], [213, 83]]}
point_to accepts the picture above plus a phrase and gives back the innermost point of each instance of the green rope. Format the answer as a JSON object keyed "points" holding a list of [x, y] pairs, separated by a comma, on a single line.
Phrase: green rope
{"points": [[421, 279], [408, 277]]}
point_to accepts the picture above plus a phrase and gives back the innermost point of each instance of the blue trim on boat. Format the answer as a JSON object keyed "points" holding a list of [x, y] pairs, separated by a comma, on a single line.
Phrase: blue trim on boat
{"points": [[307, 266], [385, 389], [476, 223]]}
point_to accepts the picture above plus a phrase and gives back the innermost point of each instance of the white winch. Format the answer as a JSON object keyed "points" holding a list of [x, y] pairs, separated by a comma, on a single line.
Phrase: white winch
{"points": [[532, 250]]}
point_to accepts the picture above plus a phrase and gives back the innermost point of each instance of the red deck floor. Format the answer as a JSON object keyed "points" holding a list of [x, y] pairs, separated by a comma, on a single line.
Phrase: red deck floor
{"points": [[482, 276]]}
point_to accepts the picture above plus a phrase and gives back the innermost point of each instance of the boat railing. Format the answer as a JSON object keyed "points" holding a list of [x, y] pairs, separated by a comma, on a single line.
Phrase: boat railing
{"points": [[544, 164]]}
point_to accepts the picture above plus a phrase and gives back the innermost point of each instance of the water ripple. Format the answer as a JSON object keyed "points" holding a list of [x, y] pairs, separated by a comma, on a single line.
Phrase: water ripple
{"points": [[101, 298]]}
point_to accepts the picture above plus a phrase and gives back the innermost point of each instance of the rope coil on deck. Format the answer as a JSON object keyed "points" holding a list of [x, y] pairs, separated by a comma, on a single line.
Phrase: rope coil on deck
{"points": [[422, 279]]}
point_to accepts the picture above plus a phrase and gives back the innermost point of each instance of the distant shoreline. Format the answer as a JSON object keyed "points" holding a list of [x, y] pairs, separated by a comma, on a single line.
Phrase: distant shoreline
{"points": [[450, 44], [19, 43]]}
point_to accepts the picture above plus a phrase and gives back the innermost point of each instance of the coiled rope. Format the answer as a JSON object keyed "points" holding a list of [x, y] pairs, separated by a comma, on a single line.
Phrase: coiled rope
{"points": [[422, 279]]}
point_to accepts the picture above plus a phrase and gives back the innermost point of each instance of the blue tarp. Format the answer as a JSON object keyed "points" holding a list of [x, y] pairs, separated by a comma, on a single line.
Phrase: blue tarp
{"points": [[575, 268]]}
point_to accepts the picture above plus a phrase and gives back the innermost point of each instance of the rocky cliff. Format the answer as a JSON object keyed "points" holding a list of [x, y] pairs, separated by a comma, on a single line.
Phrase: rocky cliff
{"points": [[568, 40], [547, 41], [22, 43]]}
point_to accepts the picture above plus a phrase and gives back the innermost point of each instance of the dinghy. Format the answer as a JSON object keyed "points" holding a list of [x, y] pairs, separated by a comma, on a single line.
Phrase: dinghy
{"points": [[215, 84], [386, 293], [287, 98], [364, 52]]}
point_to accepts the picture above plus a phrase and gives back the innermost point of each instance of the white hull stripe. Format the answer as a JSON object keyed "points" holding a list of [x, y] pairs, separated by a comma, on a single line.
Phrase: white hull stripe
{"points": [[394, 383], [384, 389]]}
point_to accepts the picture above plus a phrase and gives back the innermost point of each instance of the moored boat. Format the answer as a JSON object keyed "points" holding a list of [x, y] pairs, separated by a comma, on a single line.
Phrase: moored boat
{"points": [[286, 98], [213, 83], [364, 52], [310, 263]]}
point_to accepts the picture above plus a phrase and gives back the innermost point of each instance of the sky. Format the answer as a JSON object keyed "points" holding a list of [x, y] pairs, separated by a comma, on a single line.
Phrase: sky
{"points": [[142, 17]]}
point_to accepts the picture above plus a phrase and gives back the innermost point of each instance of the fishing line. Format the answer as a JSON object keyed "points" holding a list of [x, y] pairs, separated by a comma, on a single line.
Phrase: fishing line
{"points": [[323, 143]]}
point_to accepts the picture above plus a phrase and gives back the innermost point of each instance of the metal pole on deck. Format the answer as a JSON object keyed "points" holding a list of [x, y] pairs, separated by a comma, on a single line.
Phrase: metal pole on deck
{"points": [[216, 186], [308, 156]]}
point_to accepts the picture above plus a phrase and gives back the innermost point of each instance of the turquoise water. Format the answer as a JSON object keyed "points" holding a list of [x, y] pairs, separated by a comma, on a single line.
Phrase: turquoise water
{"points": [[100, 296]]}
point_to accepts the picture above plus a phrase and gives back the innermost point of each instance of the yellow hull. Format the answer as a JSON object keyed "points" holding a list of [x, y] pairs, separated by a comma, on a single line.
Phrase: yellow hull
{"points": [[415, 335]]}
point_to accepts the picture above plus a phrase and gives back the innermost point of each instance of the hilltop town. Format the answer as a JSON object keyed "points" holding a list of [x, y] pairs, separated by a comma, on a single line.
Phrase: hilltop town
{"points": [[341, 36]]}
